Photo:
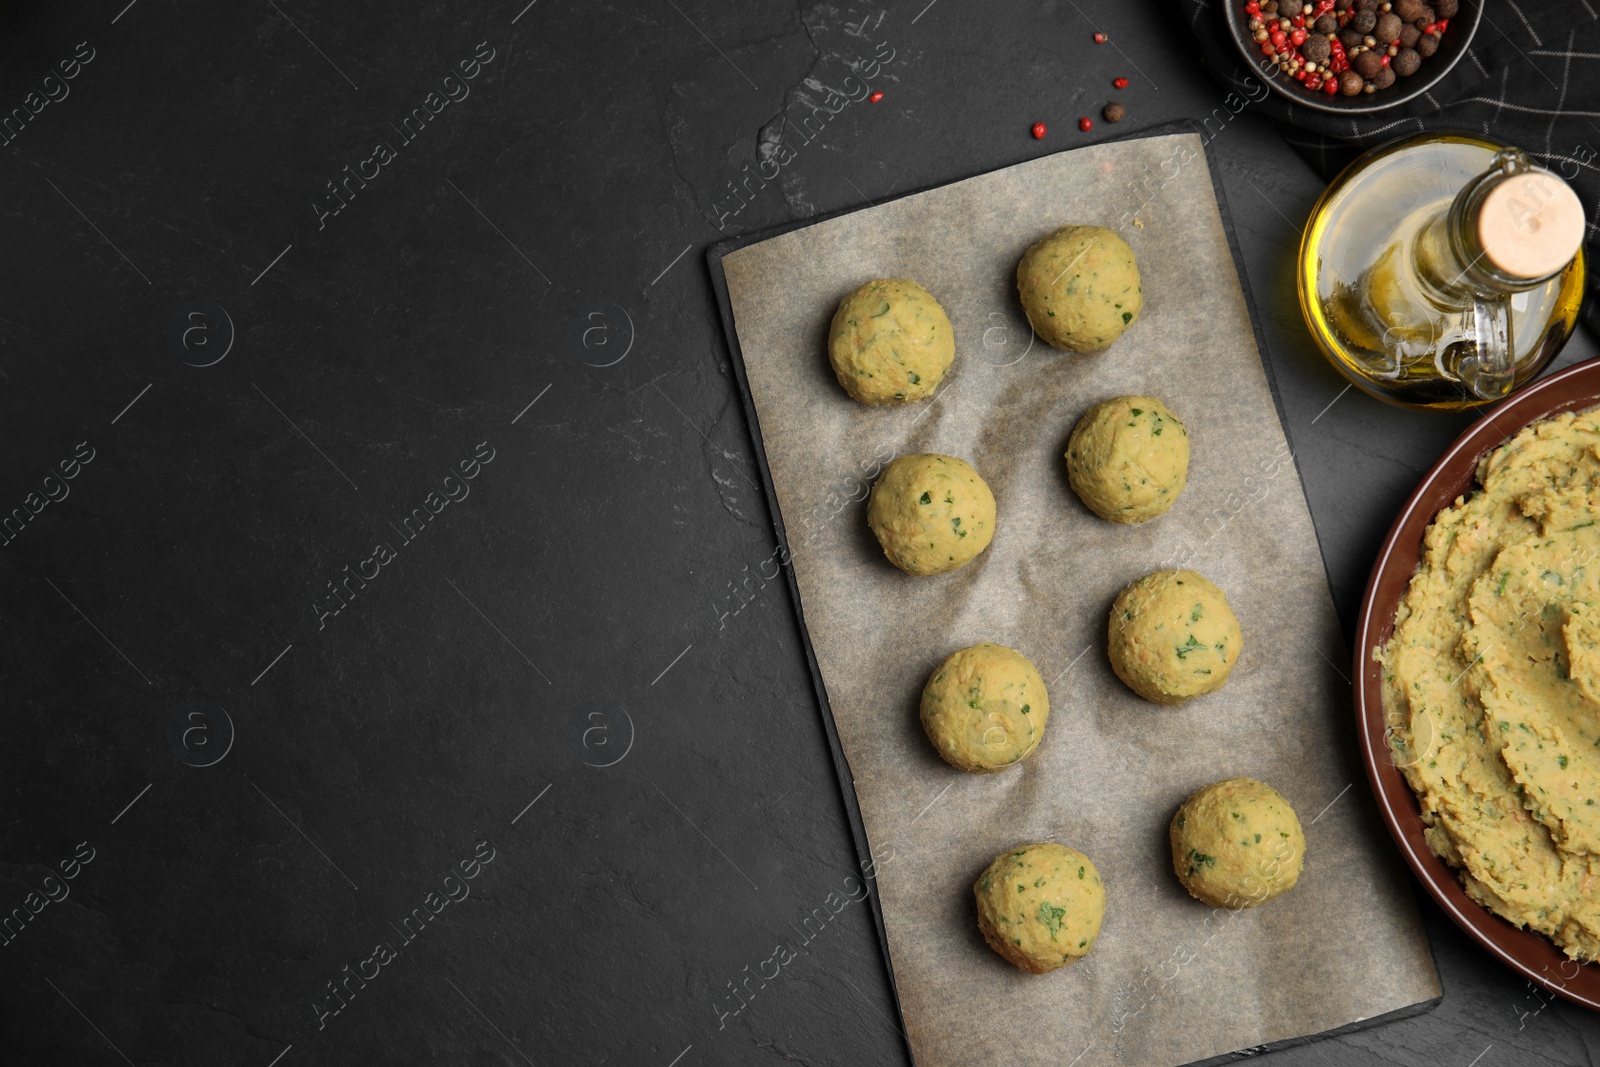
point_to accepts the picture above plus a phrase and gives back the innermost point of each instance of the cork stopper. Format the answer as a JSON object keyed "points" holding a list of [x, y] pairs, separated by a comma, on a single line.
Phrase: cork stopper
{"points": [[1530, 225]]}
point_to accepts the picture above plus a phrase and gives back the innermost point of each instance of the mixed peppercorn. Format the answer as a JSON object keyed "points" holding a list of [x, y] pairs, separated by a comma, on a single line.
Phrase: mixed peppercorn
{"points": [[1348, 47]]}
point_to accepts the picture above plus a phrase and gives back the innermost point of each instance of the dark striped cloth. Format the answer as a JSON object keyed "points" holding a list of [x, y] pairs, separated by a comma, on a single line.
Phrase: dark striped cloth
{"points": [[1531, 79]]}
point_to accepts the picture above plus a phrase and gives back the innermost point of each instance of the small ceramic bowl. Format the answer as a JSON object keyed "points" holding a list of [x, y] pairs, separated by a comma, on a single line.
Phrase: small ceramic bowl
{"points": [[1457, 36]]}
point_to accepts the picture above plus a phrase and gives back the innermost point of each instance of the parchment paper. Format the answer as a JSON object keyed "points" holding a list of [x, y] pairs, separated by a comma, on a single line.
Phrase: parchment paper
{"points": [[1170, 980]]}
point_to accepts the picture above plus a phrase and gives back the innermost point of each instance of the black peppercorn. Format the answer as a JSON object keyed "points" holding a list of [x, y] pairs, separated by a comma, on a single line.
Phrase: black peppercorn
{"points": [[1388, 28], [1351, 83], [1363, 21], [1367, 64], [1317, 49], [1406, 63], [1427, 45]]}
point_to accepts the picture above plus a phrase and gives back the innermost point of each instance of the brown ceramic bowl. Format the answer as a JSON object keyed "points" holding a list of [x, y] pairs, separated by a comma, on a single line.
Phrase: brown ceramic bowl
{"points": [[1525, 952]]}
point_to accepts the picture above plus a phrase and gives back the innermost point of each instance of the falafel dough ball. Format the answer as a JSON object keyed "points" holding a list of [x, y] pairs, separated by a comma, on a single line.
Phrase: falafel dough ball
{"points": [[1173, 636], [1080, 287], [985, 708], [932, 514], [1040, 906], [890, 342], [1237, 844], [1128, 459]]}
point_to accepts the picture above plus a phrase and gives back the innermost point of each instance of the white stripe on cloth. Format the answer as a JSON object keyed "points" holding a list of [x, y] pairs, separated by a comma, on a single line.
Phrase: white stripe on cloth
{"points": [[1525, 23]]}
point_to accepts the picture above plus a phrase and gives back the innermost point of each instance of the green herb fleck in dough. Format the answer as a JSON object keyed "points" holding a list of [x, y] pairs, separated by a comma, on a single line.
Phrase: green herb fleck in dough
{"points": [[1051, 916], [1191, 645], [925, 499]]}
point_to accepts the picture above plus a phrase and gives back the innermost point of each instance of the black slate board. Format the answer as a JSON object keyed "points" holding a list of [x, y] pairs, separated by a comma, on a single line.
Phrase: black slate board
{"points": [[714, 256]]}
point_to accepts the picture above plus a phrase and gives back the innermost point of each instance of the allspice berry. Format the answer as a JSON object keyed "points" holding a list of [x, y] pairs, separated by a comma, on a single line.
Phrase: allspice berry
{"points": [[1317, 49], [1388, 27], [1114, 112], [1409, 35], [1350, 39], [1446, 9], [1406, 63], [1363, 22], [1427, 45], [1326, 24], [1410, 10], [1367, 64], [1384, 79], [1351, 83]]}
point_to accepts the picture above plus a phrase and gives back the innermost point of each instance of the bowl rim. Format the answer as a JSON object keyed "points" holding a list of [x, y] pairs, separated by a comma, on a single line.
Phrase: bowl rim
{"points": [[1453, 475], [1469, 16]]}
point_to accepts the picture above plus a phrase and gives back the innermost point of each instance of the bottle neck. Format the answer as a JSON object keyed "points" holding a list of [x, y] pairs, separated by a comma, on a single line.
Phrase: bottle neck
{"points": [[1452, 263]]}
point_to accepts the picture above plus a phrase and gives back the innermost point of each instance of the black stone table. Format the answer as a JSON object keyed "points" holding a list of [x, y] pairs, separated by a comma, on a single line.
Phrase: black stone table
{"points": [[382, 683]]}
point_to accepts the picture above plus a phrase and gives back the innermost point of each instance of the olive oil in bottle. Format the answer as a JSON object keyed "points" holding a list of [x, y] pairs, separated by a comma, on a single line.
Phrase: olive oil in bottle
{"points": [[1442, 271]]}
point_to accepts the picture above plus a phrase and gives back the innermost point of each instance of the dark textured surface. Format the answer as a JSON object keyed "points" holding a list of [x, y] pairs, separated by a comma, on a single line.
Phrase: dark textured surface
{"points": [[538, 240]]}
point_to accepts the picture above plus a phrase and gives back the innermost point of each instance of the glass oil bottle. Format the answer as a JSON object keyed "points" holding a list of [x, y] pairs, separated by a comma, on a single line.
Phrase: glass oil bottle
{"points": [[1442, 271]]}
